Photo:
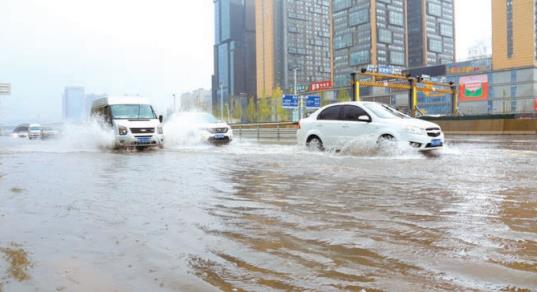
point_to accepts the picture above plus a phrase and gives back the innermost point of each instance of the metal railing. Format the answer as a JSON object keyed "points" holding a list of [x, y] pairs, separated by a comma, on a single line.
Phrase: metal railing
{"points": [[279, 132]]}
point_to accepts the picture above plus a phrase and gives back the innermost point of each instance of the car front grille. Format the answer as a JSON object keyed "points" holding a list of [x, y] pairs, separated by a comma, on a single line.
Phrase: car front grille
{"points": [[434, 132], [142, 130], [218, 130]]}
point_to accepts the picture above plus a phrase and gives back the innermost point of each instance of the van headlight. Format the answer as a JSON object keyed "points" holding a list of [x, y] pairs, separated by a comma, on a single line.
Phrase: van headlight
{"points": [[416, 130], [160, 131], [123, 130]]}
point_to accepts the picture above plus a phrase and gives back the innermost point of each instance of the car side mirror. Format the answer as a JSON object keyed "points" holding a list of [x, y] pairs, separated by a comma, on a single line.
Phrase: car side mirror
{"points": [[161, 118], [364, 118]]}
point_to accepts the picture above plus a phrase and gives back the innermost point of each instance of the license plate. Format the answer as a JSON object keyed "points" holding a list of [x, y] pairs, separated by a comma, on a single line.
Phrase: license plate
{"points": [[436, 142], [219, 136], [144, 140]]}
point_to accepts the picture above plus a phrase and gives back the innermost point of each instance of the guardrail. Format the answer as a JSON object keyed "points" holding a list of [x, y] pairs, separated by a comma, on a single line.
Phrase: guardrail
{"points": [[279, 132], [468, 125]]}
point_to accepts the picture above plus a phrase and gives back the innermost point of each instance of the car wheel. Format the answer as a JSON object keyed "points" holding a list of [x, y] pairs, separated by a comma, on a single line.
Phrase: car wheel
{"points": [[315, 143], [385, 140]]}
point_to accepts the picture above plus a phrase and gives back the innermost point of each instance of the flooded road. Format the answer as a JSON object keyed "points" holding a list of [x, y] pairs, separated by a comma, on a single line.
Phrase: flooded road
{"points": [[260, 217]]}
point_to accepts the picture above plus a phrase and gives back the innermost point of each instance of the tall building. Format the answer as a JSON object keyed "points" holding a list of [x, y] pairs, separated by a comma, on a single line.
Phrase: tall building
{"points": [[90, 98], [234, 50], [431, 32], [514, 32], [367, 32], [293, 36], [73, 103]]}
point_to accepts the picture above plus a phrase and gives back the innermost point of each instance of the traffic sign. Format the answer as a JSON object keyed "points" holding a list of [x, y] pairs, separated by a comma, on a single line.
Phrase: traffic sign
{"points": [[5, 89], [289, 101], [313, 101]]}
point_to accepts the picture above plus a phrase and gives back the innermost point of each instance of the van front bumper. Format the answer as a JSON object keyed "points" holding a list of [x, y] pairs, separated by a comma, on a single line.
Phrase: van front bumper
{"points": [[139, 140]]}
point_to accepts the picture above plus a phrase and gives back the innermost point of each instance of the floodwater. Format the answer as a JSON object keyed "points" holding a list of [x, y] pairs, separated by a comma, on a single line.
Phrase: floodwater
{"points": [[260, 217]]}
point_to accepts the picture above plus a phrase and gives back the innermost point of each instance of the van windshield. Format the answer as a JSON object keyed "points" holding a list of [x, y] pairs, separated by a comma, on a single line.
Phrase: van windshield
{"points": [[132, 112]]}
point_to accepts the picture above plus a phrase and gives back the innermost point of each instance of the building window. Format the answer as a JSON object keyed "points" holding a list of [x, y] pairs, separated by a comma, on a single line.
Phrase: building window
{"points": [[435, 45], [396, 18], [359, 17], [397, 58], [446, 30], [434, 9], [341, 4], [509, 28], [360, 58], [343, 41], [385, 36]]}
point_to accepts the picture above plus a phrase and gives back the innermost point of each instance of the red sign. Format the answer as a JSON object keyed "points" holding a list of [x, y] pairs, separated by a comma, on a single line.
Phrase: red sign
{"points": [[320, 85], [473, 88], [535, 104]]}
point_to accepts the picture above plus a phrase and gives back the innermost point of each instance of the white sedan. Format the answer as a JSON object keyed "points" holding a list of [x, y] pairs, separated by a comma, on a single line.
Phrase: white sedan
{"points": [[198, 126], [338, 125]]}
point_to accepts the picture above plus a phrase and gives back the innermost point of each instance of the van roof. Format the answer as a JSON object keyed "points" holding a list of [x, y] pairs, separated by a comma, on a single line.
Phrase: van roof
{"points": [[110, 100]]}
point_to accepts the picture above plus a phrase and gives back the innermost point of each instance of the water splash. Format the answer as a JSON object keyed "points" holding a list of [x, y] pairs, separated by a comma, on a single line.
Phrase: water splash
{"points": [[88, 136]]}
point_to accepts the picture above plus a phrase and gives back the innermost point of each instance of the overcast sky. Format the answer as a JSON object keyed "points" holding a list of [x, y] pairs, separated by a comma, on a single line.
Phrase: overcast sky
{"points": [[152, 48]]}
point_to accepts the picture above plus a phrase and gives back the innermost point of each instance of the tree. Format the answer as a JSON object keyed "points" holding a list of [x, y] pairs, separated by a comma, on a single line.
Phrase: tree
{"points": [[264, 110], [281, 113], [343, 95], [250, 111], [236, 112], [324, 99]]}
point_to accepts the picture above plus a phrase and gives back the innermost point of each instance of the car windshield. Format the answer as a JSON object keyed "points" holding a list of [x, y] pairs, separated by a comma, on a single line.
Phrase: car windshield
{"points": [[35, 129], [204, 118], [132, 111], [384, 111]]}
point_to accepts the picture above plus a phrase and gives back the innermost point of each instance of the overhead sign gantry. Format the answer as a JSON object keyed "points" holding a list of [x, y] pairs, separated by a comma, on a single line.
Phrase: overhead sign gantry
{"points": [[404, 82]]}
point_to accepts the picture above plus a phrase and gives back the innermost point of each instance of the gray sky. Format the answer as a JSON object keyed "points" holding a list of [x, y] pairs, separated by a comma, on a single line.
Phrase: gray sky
{"points": [[152, 48]]}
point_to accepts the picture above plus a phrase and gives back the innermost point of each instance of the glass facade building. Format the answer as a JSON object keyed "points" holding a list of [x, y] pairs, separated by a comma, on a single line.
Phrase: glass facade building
{"points": [[292, 35], [431, 32], [234, 50], [74, 104], [367, 32]]}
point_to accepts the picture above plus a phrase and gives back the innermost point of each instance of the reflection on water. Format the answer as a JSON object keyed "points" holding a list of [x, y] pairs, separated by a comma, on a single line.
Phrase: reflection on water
{"points": [[260, 217]]}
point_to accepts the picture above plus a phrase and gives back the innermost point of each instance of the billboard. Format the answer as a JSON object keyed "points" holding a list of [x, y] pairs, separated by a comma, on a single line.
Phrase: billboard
{"points": [[474, 88], [320, 85], [470, 67]]}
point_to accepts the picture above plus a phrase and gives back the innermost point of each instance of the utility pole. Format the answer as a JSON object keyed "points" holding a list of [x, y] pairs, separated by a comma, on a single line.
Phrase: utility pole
{"points": [[355, 88]]}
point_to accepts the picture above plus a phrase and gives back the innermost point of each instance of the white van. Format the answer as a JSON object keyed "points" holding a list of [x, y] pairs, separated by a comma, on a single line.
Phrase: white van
{"points": [[133, 120]]}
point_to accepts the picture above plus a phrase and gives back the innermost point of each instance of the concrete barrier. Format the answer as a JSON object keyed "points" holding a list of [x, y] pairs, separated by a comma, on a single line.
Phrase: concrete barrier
{"points": [[488, 126]]}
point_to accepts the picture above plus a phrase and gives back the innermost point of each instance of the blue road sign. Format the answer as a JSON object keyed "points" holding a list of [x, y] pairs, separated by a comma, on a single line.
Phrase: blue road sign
{"points": [[313, 101], [289, 101]]}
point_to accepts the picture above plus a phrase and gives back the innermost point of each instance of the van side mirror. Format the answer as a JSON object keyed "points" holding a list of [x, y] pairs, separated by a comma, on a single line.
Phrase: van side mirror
{"points": [[364, 118], [161, 118]]}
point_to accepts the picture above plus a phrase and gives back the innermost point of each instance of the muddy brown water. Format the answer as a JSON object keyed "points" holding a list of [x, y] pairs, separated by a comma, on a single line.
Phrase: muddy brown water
{"points": [[259, 217]]}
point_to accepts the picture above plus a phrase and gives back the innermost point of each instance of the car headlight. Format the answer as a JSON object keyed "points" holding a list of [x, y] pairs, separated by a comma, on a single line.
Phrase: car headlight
{"points": [[123, 130], [416, 130], [160, 130]]}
